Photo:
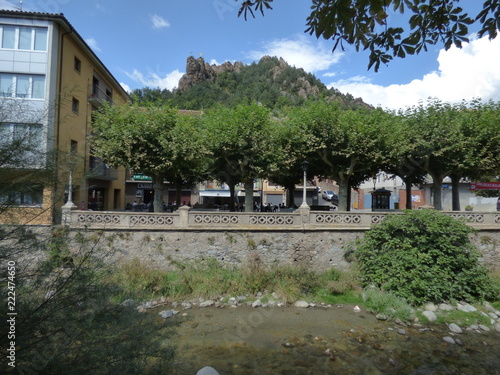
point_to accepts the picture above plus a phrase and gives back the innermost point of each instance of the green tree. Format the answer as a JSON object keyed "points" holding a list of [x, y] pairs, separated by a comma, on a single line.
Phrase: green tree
{"points": [[241, 142], [402, 156], [346, 144], [191, 158], [481, 124], [367, 25], [156, 141], [292, 144]]}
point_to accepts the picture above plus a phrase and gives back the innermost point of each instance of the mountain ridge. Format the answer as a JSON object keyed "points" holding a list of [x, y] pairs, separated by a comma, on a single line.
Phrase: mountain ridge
{"points": [[271, 81]]}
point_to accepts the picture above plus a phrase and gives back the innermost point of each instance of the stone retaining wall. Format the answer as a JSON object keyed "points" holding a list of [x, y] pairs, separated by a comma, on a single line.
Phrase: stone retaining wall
{"points": [[314, 238], [317, 249]]}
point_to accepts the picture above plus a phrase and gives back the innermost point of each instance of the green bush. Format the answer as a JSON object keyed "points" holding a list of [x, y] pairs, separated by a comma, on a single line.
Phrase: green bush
{"points": [[424, 256]]}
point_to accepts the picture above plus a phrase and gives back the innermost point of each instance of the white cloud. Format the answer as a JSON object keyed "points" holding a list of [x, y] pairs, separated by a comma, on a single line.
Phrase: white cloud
{"points": [[126, 87], [467, 73], [153, 80], [300, 52], [93, 44], [159, 22]]}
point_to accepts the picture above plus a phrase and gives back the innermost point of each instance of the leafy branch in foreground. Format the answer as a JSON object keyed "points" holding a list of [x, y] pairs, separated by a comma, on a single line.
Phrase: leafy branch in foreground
{"points": [[375, 25], [66, 320]]}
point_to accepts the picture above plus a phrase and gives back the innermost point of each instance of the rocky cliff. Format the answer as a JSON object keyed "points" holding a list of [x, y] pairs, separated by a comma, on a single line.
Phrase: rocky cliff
{"points": [[198, 71]]}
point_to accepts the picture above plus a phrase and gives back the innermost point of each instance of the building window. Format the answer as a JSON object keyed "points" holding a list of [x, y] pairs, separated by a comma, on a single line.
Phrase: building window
{"points": [[23, 38], [73, 150], [76, 106], [22, 86], [78, 65], [26, 139], [25, 195]]}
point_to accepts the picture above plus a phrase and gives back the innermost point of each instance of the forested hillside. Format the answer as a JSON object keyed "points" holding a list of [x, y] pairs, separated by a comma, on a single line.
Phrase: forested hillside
{"points": [[271, 82]]}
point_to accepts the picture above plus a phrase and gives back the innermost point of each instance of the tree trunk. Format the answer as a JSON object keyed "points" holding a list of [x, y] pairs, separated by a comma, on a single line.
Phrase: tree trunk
{"points": [[290, 202], [248, 195], [408, 184], [349, 197], [232, 195], [159, 188], [455, 194], [343, 192], [437, 190], [178, 191]]}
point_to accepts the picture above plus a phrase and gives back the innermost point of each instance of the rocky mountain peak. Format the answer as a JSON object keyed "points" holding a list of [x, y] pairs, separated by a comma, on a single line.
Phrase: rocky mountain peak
{"points": [[198, 71]]}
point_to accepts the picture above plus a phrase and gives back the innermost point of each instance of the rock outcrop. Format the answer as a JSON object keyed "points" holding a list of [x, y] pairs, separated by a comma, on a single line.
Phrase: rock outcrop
{"points": [[198, 71]]}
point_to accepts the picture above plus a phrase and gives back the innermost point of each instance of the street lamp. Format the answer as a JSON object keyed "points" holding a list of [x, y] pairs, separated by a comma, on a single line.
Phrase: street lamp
{"points": [[69, 204], [305, 164]]}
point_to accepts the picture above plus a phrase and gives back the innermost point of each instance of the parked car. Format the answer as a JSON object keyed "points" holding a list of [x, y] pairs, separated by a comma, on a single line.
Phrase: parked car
{"points": [[331, 196]]}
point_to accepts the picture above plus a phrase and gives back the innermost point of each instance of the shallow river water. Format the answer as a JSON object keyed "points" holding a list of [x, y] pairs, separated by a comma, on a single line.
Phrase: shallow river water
{"points": [[334, 340]]}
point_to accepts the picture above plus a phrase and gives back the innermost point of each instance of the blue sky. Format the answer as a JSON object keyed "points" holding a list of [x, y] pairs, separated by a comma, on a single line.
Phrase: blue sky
{"points": [[147, 43]]}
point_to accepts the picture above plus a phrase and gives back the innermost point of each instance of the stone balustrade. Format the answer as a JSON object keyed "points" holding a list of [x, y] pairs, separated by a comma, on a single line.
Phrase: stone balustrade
{"points": [[301, 219]]}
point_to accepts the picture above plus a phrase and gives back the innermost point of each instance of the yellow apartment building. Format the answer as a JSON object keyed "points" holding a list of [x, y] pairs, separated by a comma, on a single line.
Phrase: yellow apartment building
{"points": [[50, 83]]}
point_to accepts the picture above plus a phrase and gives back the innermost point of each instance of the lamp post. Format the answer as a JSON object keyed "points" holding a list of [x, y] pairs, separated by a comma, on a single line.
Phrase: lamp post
{"points": [[305, 164], [69, 204]]}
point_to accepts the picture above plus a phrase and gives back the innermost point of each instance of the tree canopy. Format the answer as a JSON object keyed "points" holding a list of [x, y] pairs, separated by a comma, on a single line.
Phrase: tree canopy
{"points": [[367, 25]]}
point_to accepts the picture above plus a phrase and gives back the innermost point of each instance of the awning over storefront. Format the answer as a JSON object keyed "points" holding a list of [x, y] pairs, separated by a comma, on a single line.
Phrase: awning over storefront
{"points": [[242, 194], [224, 193], [214, 193]]}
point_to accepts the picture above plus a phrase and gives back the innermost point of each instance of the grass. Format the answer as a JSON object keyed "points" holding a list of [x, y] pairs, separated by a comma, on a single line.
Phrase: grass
{"points": [[463, 319], [211, 279], [393, 307]]}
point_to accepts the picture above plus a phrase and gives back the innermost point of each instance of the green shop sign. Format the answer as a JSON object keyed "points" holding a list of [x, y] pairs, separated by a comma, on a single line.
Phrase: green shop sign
{"points": [[140, 177]]}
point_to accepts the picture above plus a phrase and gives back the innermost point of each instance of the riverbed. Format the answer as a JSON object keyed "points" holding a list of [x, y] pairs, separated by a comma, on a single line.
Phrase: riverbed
{"points": [[323, 340]]}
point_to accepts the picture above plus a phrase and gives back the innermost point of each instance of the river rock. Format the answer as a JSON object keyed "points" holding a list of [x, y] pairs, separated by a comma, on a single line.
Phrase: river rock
{"points": [[497, 327], [466, 307], [488, 306], [430, 316], [129, 303], [207, 370], [301, 303], [445, 307], [449, 340], [257, 303], [484, 328], [381, 316], [430, 307], [166, 314], [454, 328], [207, 303]]}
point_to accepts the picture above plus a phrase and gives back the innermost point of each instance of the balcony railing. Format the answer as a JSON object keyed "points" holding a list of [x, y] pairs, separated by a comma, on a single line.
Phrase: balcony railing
{"points": [[98, 96], [100, 171], [304, 220]]}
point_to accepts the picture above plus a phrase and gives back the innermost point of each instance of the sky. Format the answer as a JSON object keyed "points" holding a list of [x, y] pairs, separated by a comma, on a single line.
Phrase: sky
{"points": [[146, 44]]}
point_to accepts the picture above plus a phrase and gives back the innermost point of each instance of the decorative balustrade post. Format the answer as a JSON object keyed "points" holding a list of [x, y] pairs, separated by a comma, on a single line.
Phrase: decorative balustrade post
{"points": [[183, 216], [305, 213], [66, 214]]}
